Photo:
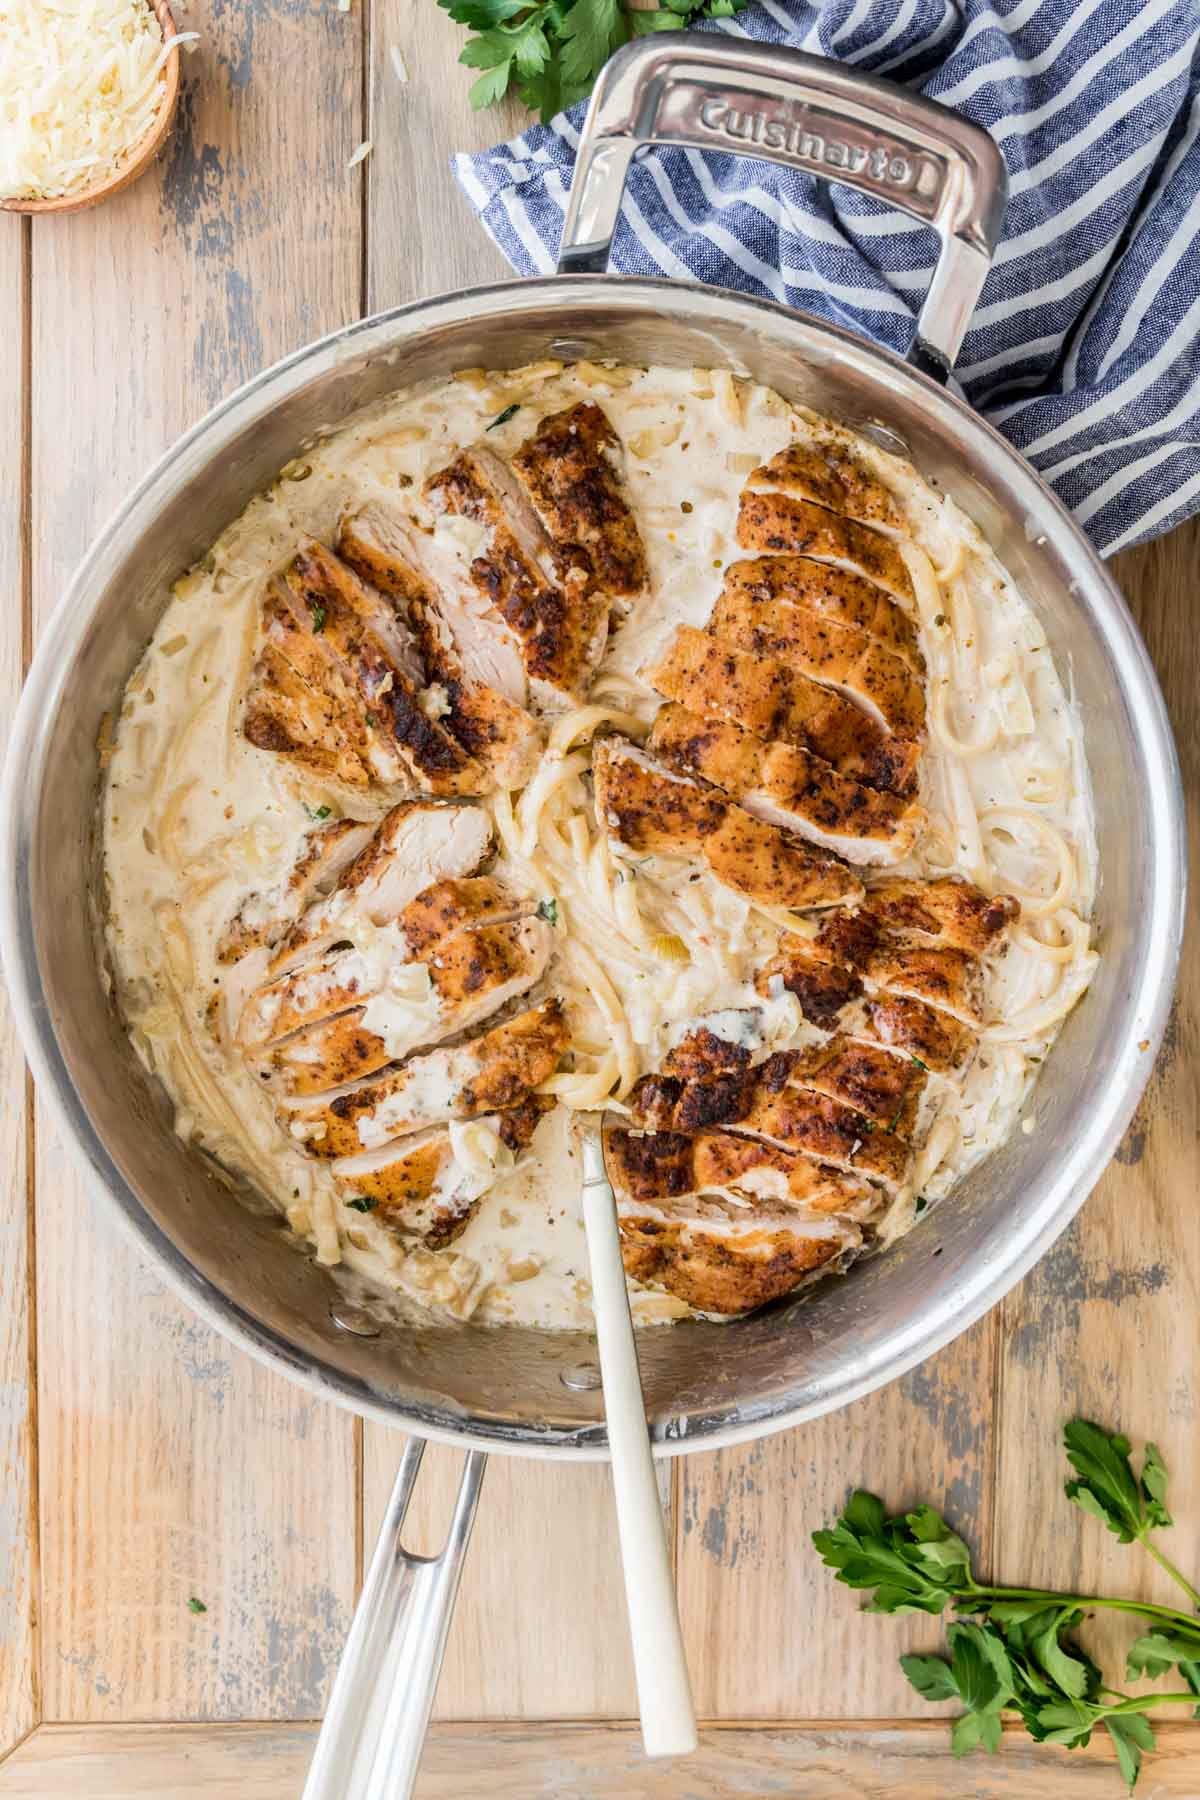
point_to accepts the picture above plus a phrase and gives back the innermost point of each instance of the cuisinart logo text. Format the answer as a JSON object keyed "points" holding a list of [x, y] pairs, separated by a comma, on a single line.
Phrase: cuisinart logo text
{"points": [[811, 146]]}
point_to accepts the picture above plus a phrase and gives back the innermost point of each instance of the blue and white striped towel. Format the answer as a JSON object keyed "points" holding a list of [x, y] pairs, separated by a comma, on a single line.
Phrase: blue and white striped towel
{"points": [[1085, 349]]}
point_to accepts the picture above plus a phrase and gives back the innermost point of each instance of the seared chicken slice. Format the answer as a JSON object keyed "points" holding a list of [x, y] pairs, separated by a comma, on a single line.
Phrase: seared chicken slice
{"points": [[948, 980], [464, 1081], [322, 986], [468, 976], [951, 911], [665, 1166], [469, 654], [263, 918], [417, 843], [302, 712], [375, 653], [777, 521], [721, 1260], [770, 866], [823, 985], [838, 656], [834, 1133], [647, 808], [770, 700], [570, 470], [560, 620], [419, 1189], [788, 786], [935, 1039], [770, 583], [885, 1089], [834, 476]]}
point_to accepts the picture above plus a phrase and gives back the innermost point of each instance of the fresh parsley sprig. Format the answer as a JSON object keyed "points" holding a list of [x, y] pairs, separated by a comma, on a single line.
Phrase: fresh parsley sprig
{"points": [[1019, 1654], [551, 51]]}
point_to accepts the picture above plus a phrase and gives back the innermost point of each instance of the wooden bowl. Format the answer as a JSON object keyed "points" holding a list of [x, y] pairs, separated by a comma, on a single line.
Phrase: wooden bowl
{"points": [[140, 157]]}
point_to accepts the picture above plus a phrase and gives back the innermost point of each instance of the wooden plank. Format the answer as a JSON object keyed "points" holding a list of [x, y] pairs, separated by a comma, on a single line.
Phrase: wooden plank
{"points": [[1106, 1324], [170, 1465], [466, 1762], [18, 1551], [423, 235], [769, 1632], [540, 1628]]}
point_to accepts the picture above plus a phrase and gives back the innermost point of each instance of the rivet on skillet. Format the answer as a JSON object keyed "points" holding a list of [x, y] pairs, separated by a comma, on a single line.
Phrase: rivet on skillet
{"points": [[582, 1377], [354, 1320]]}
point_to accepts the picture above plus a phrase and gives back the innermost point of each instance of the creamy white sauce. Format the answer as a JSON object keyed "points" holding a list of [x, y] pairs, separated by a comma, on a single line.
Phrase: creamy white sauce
{"points": [[195, 819]]}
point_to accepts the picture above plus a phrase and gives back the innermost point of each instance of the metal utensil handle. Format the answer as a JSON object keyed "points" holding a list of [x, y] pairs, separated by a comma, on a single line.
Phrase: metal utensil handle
{"points": [[370, 1743], [712, 93], [659, 1665]]}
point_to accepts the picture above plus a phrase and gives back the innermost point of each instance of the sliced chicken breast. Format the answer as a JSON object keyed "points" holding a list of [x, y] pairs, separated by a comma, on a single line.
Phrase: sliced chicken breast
{"points": [[417, 843], [451, 905], [723, 1261], [774, 868], [951, 911], [497, 1070], [949, 980], [316, 725], [777, 521], [571, 471], [885, 1089], [263, 918], [788, 786], [838, 656], [770, 583], [663, 1167], [833, 1132], [934, 1039], [832, 475], [471, 975], [771, 701], [648, 808], [376, 654], [465, 649], [822, 986], [559, 619]]}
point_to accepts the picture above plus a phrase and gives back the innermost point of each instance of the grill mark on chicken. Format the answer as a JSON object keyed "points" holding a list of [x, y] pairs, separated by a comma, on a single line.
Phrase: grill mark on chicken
{"points": [[771, 701], [365, 641], [490, 724], [787, 786], [838, 656], [647, 808], [834, 476], [778, 521], [569, 470]]}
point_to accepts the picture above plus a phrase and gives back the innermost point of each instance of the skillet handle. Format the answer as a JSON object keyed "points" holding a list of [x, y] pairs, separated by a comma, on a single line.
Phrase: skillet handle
{"points": [[779, 105], [370, 1744]]}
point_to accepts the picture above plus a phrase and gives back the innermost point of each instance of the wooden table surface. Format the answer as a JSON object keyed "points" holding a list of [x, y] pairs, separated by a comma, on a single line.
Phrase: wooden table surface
{"points": [[143, 1461]]}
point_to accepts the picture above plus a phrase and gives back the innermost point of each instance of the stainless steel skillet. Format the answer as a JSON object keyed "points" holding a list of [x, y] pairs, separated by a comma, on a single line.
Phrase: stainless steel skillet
{"points": [[521, 1391]]}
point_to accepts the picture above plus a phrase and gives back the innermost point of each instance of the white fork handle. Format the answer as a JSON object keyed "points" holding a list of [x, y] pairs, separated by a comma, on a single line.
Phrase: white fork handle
{"points": [[664, 1692]]}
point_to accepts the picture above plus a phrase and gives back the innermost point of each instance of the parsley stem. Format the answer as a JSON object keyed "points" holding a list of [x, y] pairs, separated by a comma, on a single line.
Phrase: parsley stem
{"points": [[1189, 1621], [1146, 1701], [1164, 1562]]}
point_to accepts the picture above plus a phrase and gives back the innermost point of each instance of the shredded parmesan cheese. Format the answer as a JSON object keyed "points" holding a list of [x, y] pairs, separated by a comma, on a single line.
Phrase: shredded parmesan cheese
{"points": [[79, 90]]}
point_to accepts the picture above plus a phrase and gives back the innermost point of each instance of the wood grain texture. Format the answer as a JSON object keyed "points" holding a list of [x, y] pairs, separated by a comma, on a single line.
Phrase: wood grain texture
{"points": [[18, 1549], [770, 1634], [423, 236], [539, 1630], [1106, 1324], [170, 1465], [463, 1762]]}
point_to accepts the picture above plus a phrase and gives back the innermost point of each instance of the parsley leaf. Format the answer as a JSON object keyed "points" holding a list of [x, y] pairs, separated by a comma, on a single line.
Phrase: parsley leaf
{"points": [[551, 51], [318, 812], [362, 1203], [548, 910], [196, 1606], [509, 412], [319, 615], [1106, 1485]]}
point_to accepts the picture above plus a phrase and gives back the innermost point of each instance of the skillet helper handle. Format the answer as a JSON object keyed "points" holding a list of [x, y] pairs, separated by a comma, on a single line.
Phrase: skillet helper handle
{"points": [[660, 1667], [370, 1744], [781, 106]]}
